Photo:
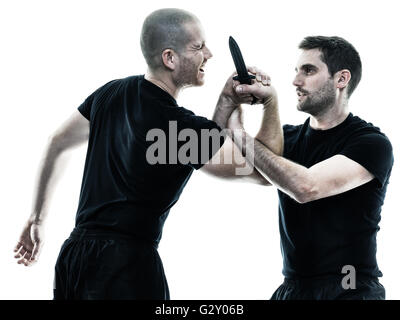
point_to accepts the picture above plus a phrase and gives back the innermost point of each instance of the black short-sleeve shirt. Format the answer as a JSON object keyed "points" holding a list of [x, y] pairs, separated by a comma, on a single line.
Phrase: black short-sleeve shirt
{"points": [[318, 238], [126, 188]]}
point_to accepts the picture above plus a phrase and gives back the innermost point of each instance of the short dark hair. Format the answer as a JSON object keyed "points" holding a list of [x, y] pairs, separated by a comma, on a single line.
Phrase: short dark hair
{"points": [[164, 29], [338, 54]]}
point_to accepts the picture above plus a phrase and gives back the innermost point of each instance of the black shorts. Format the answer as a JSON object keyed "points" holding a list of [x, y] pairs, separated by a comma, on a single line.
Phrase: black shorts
{"points": [[329, 288], [102, 265]]}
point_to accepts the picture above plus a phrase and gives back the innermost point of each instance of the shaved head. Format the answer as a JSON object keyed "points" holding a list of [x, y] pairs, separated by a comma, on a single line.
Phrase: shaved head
{"points": [[164, 29]]}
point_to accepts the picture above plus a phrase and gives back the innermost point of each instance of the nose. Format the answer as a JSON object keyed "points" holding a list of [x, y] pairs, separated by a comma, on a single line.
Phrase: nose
{"points": [[298, 81], [207, 53]]}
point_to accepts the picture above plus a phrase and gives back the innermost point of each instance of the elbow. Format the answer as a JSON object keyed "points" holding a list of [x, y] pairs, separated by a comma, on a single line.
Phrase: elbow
{"points": [[260, 181], [55, 144], [300, 199], [305, 193], [265, 183]]}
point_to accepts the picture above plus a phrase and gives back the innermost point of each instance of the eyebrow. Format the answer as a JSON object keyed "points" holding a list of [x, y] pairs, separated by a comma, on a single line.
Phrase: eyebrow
{"points": [[307, 65], [199, 44]]}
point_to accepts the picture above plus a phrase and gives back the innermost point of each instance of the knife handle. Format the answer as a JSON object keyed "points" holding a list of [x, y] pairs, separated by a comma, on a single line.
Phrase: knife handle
{"points": [[246, 80]]}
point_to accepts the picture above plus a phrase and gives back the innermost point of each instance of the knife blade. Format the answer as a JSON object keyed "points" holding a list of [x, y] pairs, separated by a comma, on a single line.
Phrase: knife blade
{"points": [[243, 76]]}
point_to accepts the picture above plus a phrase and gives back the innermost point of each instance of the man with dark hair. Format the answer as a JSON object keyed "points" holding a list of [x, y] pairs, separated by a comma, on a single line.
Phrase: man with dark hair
{"points": [[125, 198], [337, 54], [332, 180]]}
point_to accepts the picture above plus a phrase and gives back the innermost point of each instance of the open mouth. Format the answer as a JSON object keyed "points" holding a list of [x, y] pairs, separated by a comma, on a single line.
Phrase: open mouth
{"points": [[301, 95], [201, 69]]}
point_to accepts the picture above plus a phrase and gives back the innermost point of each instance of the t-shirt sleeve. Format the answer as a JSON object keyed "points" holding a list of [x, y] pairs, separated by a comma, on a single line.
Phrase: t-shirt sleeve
{"points": [[209, 139], [374, 152], [86, 106]]}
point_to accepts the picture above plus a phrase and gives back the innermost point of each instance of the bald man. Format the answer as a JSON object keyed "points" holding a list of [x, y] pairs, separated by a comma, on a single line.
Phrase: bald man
{"points": [[130, 181]]}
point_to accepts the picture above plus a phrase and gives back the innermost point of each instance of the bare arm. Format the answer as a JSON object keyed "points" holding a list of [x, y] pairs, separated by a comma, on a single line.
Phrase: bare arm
{"points": [[228, 115], [271, 132], [229, 163], [301, 183], [72, 133]]}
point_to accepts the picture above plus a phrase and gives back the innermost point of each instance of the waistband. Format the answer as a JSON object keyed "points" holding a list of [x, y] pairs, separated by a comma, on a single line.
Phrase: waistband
{"points": [[322, 280], [93, 234]]}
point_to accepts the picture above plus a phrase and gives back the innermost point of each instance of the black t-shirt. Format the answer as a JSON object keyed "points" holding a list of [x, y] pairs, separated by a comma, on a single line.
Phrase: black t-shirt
{"points": [[318, 238], [121, 190]]}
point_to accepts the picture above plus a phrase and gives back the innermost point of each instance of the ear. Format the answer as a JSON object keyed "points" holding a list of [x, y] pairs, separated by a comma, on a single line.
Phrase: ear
{"points": [[342, 78], [169, 58]]}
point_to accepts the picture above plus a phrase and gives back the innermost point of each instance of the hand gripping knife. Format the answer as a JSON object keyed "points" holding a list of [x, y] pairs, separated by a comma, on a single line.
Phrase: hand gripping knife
{"points": [[242, 75]]}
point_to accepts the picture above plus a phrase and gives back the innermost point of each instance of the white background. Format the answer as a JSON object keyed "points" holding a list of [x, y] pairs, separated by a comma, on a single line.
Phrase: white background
{"points": [[221, 240]]}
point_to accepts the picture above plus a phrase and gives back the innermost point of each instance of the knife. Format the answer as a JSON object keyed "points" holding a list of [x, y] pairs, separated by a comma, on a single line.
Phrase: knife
{"points": [[243, 76]]}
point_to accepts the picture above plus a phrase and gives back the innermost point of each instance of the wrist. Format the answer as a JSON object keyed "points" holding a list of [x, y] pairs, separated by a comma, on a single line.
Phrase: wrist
{"points": [[228, 103], [271, 100], [227, 100], [35, 219]]}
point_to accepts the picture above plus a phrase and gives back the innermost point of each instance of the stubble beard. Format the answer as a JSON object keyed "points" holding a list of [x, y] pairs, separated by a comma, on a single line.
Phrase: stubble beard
{"points": [[320, 101], [188, 75]]}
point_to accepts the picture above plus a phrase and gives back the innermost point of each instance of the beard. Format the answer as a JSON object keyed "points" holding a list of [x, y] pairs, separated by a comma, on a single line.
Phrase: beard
{"points": [[318, 102], [188, 75]]}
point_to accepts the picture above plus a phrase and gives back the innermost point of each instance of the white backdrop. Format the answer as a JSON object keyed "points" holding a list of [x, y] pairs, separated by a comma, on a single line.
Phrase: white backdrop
{"points": [[221, 240]]}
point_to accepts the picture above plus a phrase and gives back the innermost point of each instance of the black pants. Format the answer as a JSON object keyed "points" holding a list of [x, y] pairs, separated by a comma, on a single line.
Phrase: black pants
{"points": [[102, 265], [329, 289]]}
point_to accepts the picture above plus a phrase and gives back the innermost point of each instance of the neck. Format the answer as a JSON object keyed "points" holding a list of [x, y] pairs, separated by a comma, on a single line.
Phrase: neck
{"points": [[331, 118], [164, 82]]}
